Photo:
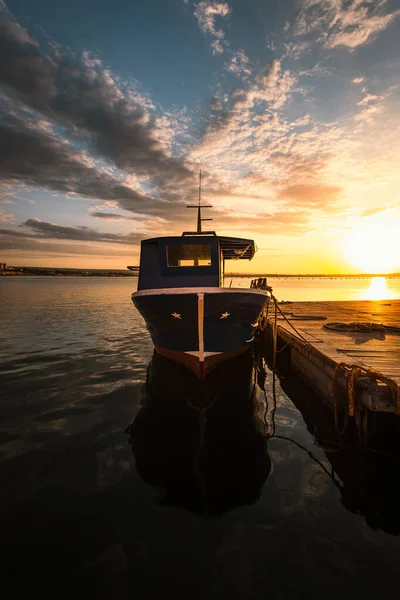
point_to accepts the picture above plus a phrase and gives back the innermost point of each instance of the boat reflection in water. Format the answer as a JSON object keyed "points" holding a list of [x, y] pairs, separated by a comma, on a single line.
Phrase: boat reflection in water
{"points": [[201, 444]]}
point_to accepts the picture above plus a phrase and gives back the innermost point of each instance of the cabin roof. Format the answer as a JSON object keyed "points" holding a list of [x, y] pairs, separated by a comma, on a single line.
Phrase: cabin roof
{"points": [[232, 248], [237, 248]]}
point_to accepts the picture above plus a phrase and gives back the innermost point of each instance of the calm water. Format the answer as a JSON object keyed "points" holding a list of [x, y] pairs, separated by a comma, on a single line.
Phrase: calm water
{"points": [[303, 289], [178, 506]]}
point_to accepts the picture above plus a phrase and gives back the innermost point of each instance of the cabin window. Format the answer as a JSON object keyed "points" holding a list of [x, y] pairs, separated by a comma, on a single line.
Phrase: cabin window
{"points": [[189, 255]]}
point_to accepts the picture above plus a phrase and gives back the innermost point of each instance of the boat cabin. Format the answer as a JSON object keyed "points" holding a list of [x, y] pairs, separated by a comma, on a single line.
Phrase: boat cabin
{"points": [[194, 259]]}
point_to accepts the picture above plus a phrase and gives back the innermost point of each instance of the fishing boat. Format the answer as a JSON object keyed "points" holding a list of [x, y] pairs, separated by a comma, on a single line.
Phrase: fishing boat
{"points": [[191, 317]]}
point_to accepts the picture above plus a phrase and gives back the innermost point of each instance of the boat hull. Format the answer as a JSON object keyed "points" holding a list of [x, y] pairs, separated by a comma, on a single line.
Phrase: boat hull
{"points": [[200, 327]]}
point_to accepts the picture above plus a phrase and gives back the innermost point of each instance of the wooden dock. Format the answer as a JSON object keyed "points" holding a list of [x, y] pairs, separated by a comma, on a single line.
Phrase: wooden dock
{"points": [[325, 358]]}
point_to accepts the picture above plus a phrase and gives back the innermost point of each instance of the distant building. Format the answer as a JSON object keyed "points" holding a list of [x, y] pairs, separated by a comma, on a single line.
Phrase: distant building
{"points": [[3, 266]]}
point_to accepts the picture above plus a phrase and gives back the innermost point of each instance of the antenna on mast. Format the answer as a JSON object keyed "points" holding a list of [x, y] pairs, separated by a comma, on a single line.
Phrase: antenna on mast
{"points": [[199, 207]]}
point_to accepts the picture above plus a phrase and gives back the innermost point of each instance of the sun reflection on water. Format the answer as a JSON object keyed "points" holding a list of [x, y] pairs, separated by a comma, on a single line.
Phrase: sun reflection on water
{"points": [[378, 290]]}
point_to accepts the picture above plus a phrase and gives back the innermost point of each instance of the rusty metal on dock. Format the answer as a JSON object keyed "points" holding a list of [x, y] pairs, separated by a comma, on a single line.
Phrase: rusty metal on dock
{"points": [[328, 359]]}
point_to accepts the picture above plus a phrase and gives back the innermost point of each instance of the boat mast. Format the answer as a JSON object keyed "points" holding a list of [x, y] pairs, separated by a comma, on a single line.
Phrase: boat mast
{"points": [[199, 209], [199, 206]]}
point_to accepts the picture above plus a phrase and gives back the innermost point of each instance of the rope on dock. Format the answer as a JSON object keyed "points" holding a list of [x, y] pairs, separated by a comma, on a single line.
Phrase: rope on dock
{"points": [[361, 327], [358, 372], [353, 373]]}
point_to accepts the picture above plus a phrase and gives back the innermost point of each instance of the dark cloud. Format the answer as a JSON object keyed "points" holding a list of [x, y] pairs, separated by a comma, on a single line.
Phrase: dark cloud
{"points": [[22, 66], [117, 217], [111, 216], [32, 156], [34, 248], [82, 94], [12, 233], [41, 230]]}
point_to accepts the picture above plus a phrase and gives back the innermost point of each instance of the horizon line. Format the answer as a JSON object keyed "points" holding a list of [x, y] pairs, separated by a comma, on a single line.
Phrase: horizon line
{"points": [[233, 274]]}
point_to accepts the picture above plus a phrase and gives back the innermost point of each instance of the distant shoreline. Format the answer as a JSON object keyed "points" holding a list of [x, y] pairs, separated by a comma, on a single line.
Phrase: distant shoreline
{"points": [[51, 272], [47, 274], [316, 276]]}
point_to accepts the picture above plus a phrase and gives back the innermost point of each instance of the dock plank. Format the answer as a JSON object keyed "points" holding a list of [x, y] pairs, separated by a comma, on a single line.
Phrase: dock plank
{"points": [[378, 351], [375, 350]]}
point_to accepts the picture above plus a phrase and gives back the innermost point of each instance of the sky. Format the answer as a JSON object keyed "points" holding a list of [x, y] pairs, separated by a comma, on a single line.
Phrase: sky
{"points": [[291, 109]]}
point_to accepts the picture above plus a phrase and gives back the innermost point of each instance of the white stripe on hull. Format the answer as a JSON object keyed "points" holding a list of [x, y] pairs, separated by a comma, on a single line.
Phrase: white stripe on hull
{"points": [[200, 324]]}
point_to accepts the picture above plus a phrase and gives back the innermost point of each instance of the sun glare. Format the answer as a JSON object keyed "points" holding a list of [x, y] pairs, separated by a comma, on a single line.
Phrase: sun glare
{"points": [[378, 290], [374, 246]]}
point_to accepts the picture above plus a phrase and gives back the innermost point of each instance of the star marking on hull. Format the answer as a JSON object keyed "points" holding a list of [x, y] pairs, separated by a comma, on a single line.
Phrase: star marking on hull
{"points": [[176, 315], [225, 315]]}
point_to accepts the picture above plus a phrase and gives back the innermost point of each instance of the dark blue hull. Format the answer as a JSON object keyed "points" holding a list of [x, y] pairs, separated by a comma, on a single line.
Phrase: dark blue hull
{"points": [[201, 322]]}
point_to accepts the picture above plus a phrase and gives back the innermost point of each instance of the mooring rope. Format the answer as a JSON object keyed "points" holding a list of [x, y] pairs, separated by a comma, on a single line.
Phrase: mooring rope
{"points": [[270, 429], [361, 327], [353, 373]]}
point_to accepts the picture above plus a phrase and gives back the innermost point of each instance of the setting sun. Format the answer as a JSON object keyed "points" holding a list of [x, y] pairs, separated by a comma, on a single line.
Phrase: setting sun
{"points": [[374, 246]]}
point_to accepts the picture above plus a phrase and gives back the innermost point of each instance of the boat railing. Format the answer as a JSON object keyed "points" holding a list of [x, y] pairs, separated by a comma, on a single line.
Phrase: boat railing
{"points": [[260, 283]]}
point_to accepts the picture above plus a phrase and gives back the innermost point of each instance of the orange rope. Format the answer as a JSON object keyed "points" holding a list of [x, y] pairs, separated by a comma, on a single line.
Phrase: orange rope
{"points": [[353, 373]]}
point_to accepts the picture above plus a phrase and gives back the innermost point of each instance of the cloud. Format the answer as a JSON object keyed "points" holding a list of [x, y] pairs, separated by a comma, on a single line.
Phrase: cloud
{"points": [[357, 28], [31, 247], [42, 230], [240, 117], [239, 64], [41, 160], [269, 77], [368, 114], [315, 195], [369, 98], [369, 212], [359, 80], [23, 67], [206, 13], [83, 95], [111, 216], [279, 222], [348, 23], [295, 50], [6, 217]]}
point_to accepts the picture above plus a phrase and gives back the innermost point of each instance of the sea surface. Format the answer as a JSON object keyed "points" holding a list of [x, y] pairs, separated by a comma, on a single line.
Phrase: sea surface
{"points": [[117, 483], [303, 289]]}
